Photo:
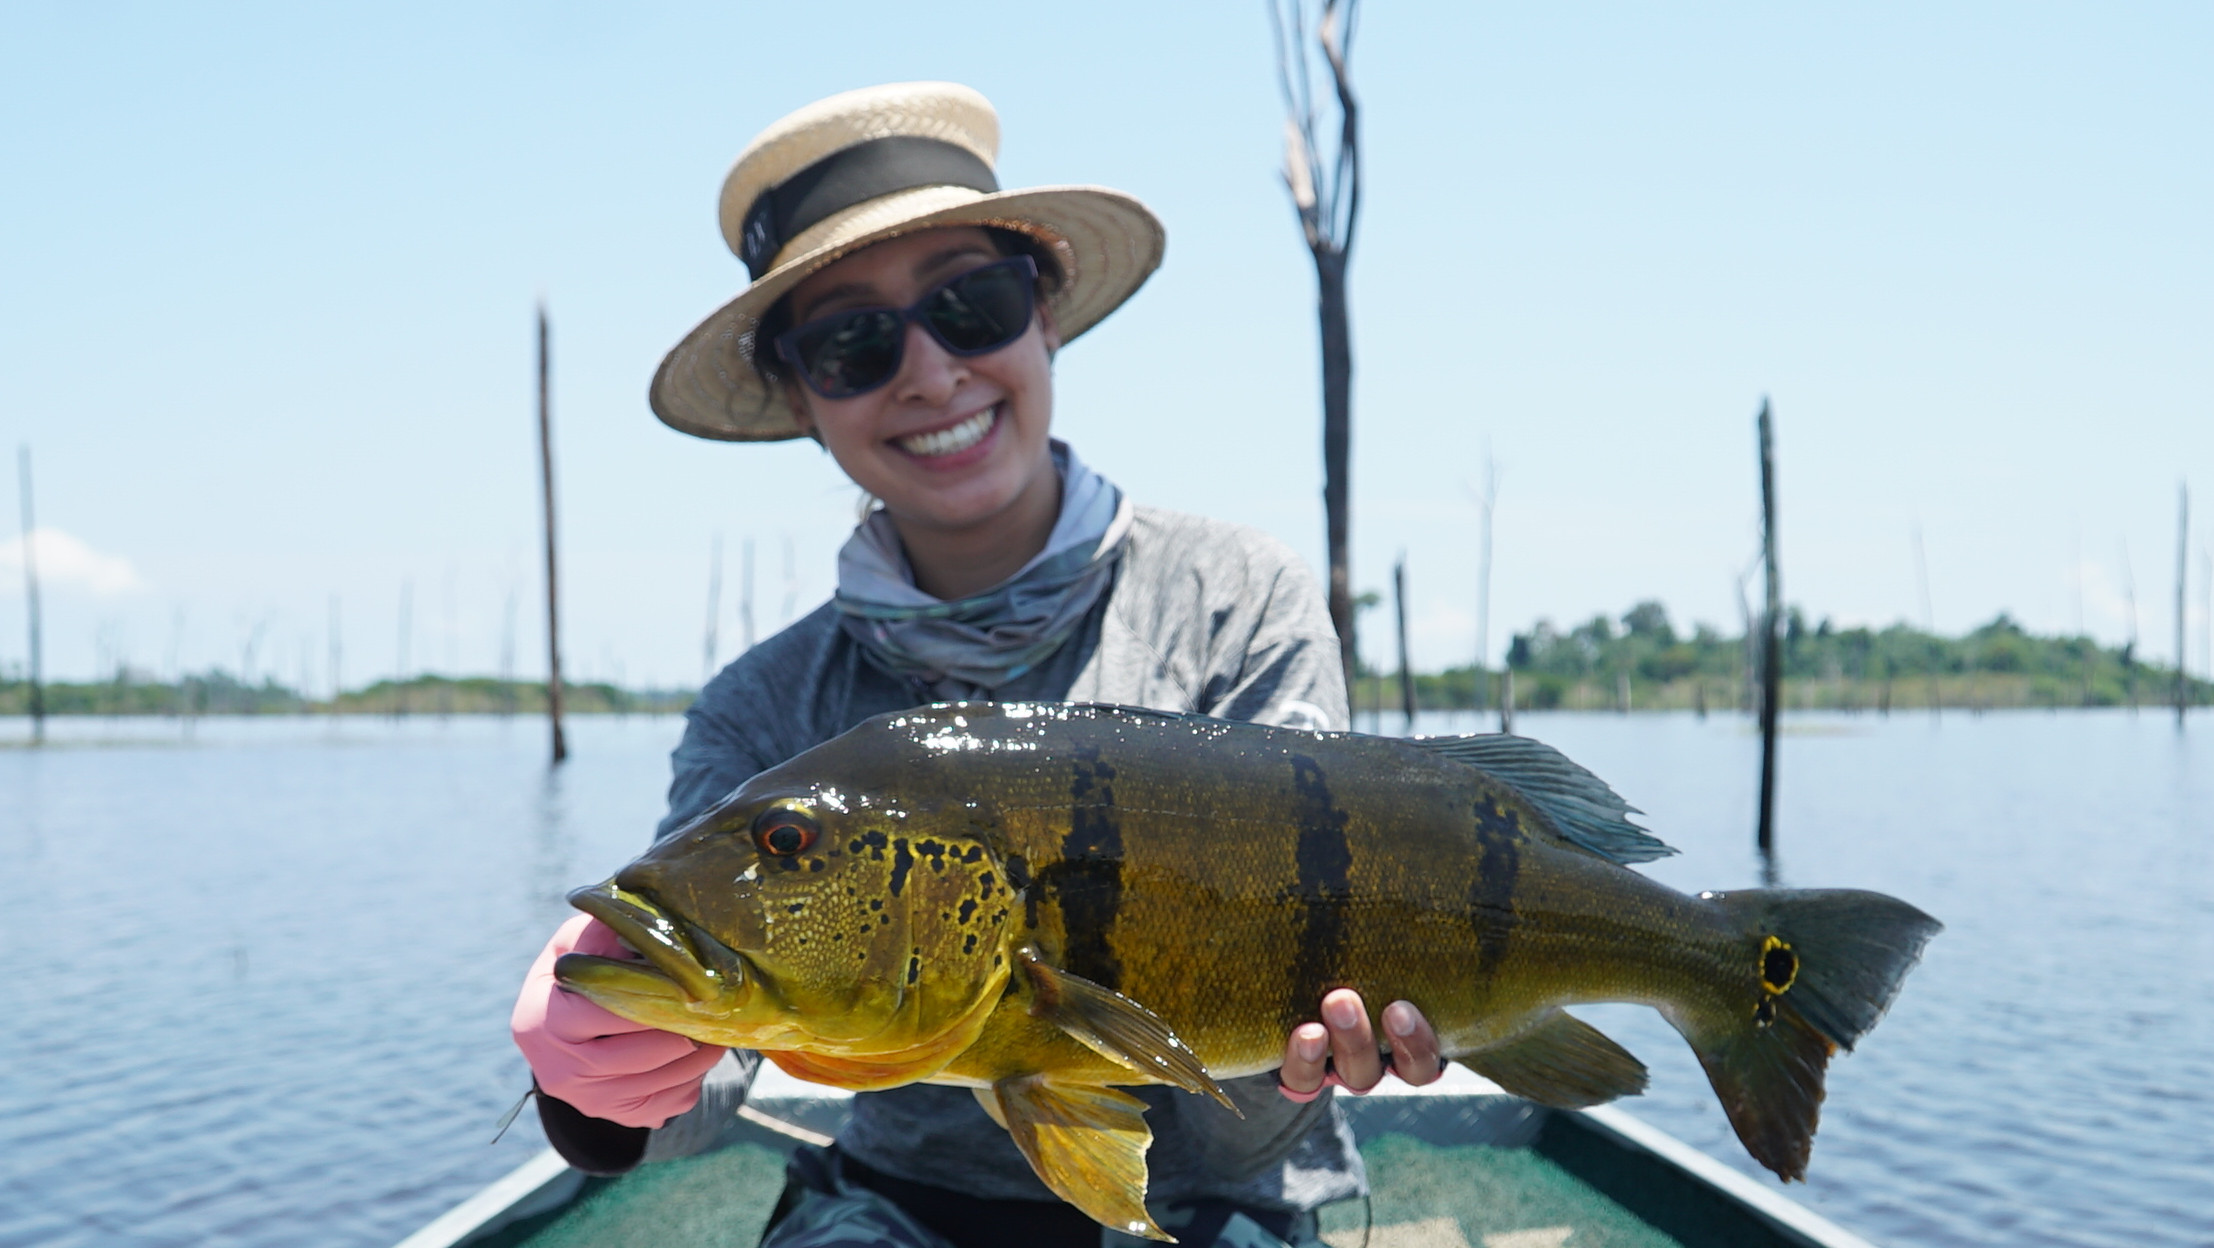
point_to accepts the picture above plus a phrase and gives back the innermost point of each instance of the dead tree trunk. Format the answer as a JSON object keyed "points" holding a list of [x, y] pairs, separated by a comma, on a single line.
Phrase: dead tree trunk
{"points": [[2129, 651], [745, 596], [403, 655], [2183, 551], [30, 598], [714, 608], [1406, 672], [553, 591], [1487, 501], [1929, 621], [1771, 665], [1337, 445], [1327, 195], [338, 683]]}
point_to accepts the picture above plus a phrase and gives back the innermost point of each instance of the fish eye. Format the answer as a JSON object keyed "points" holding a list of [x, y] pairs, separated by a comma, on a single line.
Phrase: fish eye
{"points": [[783, 832]]}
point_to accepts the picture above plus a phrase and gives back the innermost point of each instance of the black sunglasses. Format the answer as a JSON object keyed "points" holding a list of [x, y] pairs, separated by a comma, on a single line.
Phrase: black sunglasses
{"points": [[854, 352]]}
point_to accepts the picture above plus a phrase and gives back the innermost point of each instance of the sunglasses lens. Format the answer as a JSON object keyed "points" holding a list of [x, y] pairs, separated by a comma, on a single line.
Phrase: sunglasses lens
{"points": [[848, 353], [845, 355], [981, 311]]}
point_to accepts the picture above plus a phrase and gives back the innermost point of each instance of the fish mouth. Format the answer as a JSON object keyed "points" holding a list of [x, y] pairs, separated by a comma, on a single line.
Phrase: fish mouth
{"points": [[681, 951]]}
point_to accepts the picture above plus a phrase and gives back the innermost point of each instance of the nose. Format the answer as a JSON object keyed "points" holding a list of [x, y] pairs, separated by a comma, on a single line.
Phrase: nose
{"points": [[928, 373]]}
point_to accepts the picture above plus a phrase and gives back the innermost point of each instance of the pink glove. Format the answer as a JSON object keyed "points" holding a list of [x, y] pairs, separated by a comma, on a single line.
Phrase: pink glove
{"points": [[605, 1066]]}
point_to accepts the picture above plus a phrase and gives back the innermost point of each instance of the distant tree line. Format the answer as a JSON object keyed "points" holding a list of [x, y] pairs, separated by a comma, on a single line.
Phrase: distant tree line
{"points": [[1640, 661], [217, 692]]}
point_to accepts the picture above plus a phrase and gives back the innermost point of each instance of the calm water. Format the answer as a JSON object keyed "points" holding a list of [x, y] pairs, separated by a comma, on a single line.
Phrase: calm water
{"points": [[259, 978]]}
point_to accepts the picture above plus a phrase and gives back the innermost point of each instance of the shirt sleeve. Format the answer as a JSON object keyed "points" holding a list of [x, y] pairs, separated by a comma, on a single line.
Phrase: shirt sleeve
{"points": [[713, 758]]}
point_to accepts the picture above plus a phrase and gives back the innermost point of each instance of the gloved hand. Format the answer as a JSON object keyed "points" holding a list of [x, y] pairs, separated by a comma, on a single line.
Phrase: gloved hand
{"points": [[607, 1067]]}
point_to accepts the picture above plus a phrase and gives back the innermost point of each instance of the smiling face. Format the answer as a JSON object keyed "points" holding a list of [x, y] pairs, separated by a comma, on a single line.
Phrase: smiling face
{"points": [[955, 447]]}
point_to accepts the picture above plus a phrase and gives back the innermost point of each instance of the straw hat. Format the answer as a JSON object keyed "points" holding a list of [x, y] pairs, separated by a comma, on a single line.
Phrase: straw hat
{"points": [[859, 168]]}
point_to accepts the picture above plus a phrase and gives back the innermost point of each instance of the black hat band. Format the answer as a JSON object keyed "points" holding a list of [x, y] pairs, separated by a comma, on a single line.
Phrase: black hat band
{"points": [[852, 176]]}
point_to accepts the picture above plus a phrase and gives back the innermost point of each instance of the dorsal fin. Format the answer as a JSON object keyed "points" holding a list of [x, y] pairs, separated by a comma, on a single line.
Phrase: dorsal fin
{"points": [[1590, 815]]}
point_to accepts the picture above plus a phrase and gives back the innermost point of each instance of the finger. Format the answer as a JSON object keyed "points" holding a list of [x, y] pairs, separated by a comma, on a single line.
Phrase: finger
{"points": [[1414, 1046], [677, 1076], [596, 1091], [572, 929], [1352, 1040], [633, 1053], [640, 1101], [574, 1019], [654, 1109], [647, 1099], [1305, 1055], [564, 941], [598, 938]]}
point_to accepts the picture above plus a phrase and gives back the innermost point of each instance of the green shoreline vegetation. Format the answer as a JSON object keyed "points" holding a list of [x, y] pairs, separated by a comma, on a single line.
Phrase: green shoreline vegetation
{"points": [[220, 693], [1637, 662]]}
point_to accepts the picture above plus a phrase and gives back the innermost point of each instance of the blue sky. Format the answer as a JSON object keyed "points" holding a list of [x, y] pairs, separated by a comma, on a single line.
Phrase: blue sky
{"points": [[270, 273]]}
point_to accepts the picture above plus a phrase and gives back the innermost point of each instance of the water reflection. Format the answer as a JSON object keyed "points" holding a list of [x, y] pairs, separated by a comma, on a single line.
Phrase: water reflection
{"points": [[553, 847]]}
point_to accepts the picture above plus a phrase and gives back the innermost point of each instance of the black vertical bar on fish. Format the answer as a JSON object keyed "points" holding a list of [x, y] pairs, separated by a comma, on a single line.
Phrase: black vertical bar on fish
{"points": [[30, 598], [1087, 882], [1324, 890], [1771, 658], [1406, 675], [553, 595]]}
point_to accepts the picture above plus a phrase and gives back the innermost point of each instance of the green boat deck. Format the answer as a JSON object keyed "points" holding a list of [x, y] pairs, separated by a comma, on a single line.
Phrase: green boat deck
{"points": [[1446, 1171]]}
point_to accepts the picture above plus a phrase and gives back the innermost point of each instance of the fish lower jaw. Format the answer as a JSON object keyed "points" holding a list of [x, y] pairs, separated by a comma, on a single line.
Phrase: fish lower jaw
{"points": [[600, 979], [693, 963]]}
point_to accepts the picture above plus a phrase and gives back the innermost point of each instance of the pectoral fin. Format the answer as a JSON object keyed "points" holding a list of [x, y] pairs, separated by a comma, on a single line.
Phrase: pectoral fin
{"points": [[1117, 1028], [1563, 1062], [1088, 1143]]}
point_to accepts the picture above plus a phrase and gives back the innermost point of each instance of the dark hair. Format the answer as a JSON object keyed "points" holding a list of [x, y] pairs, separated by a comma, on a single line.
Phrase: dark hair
{"points": [[1007, 242]]}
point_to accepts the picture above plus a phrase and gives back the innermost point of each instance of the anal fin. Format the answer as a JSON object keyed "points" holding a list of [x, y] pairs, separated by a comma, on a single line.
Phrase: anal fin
{"points": [[1563, 1062], [1117, 1028], [1088, 1143], [989, 1099]]}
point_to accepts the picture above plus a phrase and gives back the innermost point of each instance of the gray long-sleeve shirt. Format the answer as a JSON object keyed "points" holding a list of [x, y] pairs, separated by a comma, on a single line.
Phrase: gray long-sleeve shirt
{"points": [[1204, 617]]}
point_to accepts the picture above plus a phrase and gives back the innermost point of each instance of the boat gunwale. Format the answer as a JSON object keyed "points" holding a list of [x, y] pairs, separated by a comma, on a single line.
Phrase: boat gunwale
{"points": [[1447, 1117]]}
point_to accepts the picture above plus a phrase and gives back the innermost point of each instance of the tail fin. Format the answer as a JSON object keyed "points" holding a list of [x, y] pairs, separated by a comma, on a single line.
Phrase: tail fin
{"points": [[1820, 967]]}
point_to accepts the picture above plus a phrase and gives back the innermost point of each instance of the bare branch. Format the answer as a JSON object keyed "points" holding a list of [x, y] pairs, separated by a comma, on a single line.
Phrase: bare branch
{"points": [[1297, 176], [1345, 182], [1285, 50], [1287, 22]]}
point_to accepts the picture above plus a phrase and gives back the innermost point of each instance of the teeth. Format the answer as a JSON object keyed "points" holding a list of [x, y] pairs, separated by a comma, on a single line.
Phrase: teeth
{"points": [[959, 438]]}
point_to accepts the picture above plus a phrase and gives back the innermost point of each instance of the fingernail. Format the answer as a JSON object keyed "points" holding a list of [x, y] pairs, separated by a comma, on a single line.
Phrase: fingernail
{"points": [[1309, 1047], [1343, 1015], [1399, 1021]]}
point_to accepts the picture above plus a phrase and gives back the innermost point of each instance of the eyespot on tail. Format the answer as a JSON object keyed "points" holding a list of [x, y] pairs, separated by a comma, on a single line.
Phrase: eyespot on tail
{"points": [[1835, 956], [1819, 968]]}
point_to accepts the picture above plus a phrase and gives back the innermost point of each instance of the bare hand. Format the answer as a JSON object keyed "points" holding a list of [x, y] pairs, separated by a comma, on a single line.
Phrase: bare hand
{"points": [[1342, 1049]]}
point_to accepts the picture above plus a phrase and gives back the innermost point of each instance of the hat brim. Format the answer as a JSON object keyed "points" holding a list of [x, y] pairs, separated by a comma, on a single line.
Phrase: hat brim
{"points": [[1108, 244]]}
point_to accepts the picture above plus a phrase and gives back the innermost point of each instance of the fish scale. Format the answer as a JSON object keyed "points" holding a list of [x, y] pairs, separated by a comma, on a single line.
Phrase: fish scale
{"points": [[1043, 901]]}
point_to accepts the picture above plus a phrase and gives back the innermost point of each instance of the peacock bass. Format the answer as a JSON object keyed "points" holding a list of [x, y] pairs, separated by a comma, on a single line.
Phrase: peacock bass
{"points": [[1043, 901]]}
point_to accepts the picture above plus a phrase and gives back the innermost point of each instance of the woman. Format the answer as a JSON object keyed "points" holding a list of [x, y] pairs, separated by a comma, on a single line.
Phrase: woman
{"points": [[904, 312]]}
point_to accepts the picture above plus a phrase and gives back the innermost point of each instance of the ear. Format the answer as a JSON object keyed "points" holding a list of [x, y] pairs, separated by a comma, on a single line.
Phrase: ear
{"points": [[1049, 329], [796, 397]]}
